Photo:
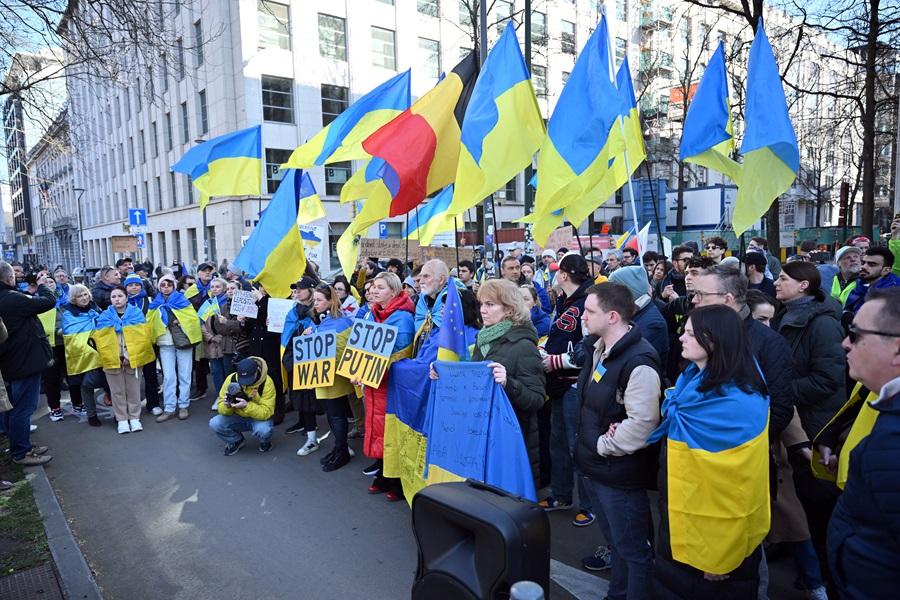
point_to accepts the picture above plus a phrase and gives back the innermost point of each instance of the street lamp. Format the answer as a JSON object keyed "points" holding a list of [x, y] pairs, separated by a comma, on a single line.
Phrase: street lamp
{"points": [[80, 227], [203, 214]]}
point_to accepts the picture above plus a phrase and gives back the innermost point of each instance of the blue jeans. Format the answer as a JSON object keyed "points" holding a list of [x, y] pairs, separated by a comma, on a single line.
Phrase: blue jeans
{"points": [[807, 562], [177, 364], [623, 517], [221, 368], [23, 395], [229, 428], [562, 448]]}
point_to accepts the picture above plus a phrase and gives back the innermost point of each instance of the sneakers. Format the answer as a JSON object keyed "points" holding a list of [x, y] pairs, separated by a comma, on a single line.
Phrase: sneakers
{"points": [[583, 518], [135, 425], [232, 449], [56, 415], [339, 458], [550, 504], [33, 428], [198, 395], [265, 446], [393, 496], [356, 433], [818, 593], [308, 448], [601, 560], [156, 411], [215, 406], [296, 427], [183, 414], [123, 427], [39, 450], [33, 460], [165, 416], [373, 469], [79, 411], [94, 421]]}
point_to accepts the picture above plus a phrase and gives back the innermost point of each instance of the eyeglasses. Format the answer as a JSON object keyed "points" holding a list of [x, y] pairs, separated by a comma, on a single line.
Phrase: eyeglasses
{"points": [[166, 284], [853, 333], [701, 295], [712, 246]]}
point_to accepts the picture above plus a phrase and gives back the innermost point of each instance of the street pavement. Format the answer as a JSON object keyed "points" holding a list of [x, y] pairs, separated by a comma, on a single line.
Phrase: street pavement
{"points": [[163, 514]]}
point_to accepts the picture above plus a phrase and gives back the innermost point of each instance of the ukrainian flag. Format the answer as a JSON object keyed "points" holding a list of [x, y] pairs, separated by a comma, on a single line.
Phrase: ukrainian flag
{"points": [[432, 218], [274, 254], [310, 207], [342, 138], [771, 155], [158, 316], [209, 307], [452, 343], [502, 128], [77, 330], [708, 139], [228, 165], [134, 329]]}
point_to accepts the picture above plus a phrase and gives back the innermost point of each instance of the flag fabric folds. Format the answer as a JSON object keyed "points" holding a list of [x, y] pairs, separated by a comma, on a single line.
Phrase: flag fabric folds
{"points": [[310, 207], [432, 218], [77, 329], [707, 138], [134, 329], [452, 343], [228, 165], [274, 254], [179, 307], [342, 138], [769, 147], [502, 128]]}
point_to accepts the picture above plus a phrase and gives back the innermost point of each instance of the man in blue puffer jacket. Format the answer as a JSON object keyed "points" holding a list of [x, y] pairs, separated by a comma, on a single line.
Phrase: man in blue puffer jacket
{"points": [[648, 318]]}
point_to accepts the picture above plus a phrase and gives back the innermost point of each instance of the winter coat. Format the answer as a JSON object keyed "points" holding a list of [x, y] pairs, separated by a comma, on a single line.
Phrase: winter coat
{"points": [[260, 395], [864, 532], [540, 320], [100, 294], [814, 333], [517, 351], [773, 355], [265, 344], [858, 296], [233, 338], [565, 334], [26, 352], [654, 329]]}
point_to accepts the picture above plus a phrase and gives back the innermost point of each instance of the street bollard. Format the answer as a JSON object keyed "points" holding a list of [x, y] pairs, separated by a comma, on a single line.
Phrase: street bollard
{"points": [[526, 590]]}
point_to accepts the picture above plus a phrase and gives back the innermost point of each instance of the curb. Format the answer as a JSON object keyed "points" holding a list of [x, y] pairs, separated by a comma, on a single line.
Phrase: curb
{"points": [[75, 576]]}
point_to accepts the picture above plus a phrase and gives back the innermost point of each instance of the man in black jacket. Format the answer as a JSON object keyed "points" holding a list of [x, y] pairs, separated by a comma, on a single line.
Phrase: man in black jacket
{"points": [[23, 357], [109, 279]]}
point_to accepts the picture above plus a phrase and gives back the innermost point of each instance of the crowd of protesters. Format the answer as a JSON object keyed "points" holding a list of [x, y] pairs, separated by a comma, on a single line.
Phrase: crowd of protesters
{"points": [[610, 361]]}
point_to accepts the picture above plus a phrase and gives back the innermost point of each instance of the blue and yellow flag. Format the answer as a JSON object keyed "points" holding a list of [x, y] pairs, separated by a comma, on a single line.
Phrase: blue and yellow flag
{"points": [[274, 254], [228, 165], [158, 316], [452, 343], [342, 138], [707, 138], [771, 154], [134, 329], [211, 306], [432, 219], [77, 330], [310, 207], [502, 128]]}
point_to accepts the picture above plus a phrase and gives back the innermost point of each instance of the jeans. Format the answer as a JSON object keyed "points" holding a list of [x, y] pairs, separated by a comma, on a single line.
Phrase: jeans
{"points": [[151, 384], [23, 395], [229, 428], [221, 368], [87, 382], [807, 562], [177, 364], [562, 449], [623, 517]]}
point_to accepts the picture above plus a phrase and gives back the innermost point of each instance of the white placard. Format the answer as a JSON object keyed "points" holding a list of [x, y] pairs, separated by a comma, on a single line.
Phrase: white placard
{"points": [[313, 239], [243, 304], [277, 311]]}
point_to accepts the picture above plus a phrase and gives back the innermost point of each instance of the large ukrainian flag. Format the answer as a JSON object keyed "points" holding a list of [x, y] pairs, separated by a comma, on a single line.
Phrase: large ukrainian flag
{"points": [[310, 205], [134, 329], [342, 138], [274, 254], [181, 308], [432, 218], [77, 330], [228, 165], [771, 154]]}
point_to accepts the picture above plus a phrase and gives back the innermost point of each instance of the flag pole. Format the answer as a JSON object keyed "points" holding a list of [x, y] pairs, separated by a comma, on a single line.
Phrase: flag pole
{"points": [[456, 242], [406, 260], [659, 235]]}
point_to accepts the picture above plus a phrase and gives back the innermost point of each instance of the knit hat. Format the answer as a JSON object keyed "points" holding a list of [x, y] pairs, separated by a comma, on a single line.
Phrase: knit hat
{"points": [[633, 277], [167, 277], [842, 251], [132, 278], [548, 252], [732, 262]]}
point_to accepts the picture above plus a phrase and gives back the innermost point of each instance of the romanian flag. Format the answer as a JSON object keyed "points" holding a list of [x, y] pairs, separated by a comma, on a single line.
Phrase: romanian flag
{"points": [[158, 316], [718, 472], [342, 138], [771, 154], [134, 329], [502, 128], [708, 139], [77, 330], [274, 254], [310, 207], [452, 342], [228, 165]]}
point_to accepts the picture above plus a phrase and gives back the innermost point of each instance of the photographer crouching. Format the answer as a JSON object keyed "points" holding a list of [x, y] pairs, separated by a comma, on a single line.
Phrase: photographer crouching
{"points": [[246, 403]]}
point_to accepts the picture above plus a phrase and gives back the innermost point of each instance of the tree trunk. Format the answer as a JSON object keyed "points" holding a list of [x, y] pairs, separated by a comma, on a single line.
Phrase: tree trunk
{"points": [[868, 122], [773, 229], [679, 213]]}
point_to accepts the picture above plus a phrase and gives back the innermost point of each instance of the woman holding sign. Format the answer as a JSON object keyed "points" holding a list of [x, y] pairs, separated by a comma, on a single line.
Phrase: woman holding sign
{"points": [[389, 305], [213, 342]]}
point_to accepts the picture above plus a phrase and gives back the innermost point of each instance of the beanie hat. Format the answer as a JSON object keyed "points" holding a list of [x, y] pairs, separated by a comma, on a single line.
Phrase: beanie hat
{"points": [[633, 277], [549, 252], [132, 278], [842, 251]]}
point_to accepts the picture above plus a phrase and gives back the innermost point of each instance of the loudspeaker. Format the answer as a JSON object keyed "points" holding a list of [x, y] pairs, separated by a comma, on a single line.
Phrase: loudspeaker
{"points": [[475, 541]]}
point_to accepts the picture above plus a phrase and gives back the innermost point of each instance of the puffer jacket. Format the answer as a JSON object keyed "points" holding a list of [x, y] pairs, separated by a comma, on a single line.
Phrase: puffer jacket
{"points": [[260, 395], [233, 338]]}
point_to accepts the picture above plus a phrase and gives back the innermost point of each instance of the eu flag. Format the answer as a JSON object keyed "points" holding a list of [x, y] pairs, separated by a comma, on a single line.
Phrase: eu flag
{"points": [[452, 343]]}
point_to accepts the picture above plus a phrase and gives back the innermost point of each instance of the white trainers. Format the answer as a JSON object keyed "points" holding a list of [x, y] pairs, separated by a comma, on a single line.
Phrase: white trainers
{"points": [[308, 448], [123, 427], [136, 425], [156, 411], [351, 452], [215, 405], [33, 428]]}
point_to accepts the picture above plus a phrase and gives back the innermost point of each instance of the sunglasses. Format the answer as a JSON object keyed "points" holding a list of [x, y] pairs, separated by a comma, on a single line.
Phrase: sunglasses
{"points": [[712, 247], [854, 333], [166, 284]]}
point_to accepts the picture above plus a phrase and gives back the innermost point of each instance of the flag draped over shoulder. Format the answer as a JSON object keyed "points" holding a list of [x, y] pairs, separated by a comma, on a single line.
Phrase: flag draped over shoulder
{"points": [[342, 138], [77, 330], [310, 206], [274, 254], [159, 310], [769, 147], [228, 165], [134, 329], [708, 139]]}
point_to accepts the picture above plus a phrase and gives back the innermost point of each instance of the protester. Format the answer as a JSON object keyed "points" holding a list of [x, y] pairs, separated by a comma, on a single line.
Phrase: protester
{"points": [[547, 275], [716, 247], [110, 277], [298, 319], [647, 318], [649, 260], [629, 256], [197, 293], [613, 261], [349, 304], [755, 266], [208, 311], [861, 242], [842, 277], [530, 276], [430, 306], [139, 296], [466, 273], [125, 266], [762, 307], [658, 278], [760, 244], [82, 361], [673, 285], [233, 342], [677, 311], [54, 377], [511, 270], [539, 319], [875, 273], [250, 408], [266, 345]]}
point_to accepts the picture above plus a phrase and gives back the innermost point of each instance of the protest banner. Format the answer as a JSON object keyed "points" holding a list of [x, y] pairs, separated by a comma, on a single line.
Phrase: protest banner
{"points": [[278, 309], [243, 304], [368, 352], [314, 360], [387, 248]]}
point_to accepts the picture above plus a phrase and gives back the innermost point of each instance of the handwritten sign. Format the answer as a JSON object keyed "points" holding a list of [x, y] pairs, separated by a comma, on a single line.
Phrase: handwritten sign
{"points": [[277, 311], [243, 304], [314, 360], [367, 355]]}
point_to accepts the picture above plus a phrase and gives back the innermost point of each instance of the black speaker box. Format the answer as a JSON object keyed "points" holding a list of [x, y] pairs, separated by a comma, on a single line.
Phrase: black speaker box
{"points": [[475, 541]]}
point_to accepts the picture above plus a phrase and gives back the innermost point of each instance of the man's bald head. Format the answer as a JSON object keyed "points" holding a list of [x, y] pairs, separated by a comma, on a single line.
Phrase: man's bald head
{"points": [[433, 277]]}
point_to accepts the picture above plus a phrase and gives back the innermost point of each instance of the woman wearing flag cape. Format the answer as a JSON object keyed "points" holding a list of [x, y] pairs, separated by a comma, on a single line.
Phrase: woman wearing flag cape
{"points": [[213, 349], [79, 316]]}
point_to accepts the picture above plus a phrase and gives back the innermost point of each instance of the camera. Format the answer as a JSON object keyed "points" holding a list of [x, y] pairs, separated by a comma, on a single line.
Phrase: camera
{"points": [[234, 393]]}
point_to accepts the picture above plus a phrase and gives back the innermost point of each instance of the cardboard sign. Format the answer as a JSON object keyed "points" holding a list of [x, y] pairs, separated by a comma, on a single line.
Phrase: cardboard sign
{"points": [[277, 311], [314, 360], [388, 248], [368, 352], [124, 244], [243, 304]]}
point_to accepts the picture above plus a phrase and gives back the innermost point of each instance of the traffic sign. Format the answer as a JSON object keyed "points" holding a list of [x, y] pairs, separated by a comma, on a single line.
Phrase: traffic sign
{"points": [[137, 217], [383, 230], [140, 240]]}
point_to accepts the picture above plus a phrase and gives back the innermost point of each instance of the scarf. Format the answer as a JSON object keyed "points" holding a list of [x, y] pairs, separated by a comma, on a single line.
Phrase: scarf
{"points": [[801, 303], [202, 288], [111, 318], [138, 299], [399, 302], [175, 301], [488, 335]]}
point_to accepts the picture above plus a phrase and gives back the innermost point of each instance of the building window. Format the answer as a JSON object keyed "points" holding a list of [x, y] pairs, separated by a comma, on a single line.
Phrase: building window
{"points": [[149, 248], [211, 241], [147, 195], [198, 41], [622, 10], [336, 175], [137, 95], [432, 8], [539, 78], [277, 99], [430, 57], [142, 153], [174, 189], [204, 115], [383, 49], [157, 194], [169, 140], [465, 14], [274, 22], [185, 126], [126, 104], [503, 11], [176, 246], [464, 52], [130, 152], [567, 37], [179, 57], [538, 28], [334, 101], [164, 71], [274, 159], [190, 189], [332, 37], [154, 141], [621, 49], [192, 242]]}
